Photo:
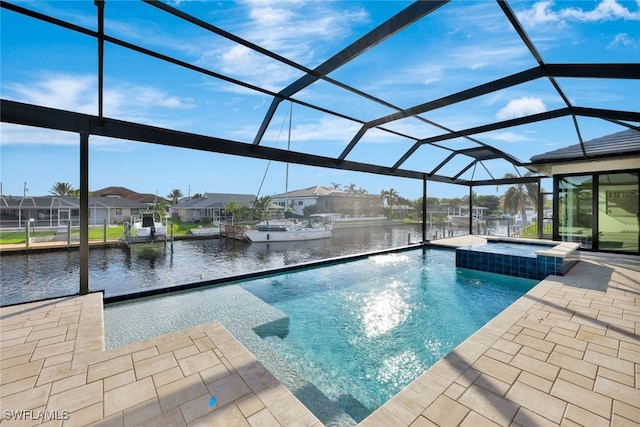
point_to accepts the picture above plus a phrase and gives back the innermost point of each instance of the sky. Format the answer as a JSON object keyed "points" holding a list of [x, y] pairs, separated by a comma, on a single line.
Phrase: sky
{"points": [[460, 45]]}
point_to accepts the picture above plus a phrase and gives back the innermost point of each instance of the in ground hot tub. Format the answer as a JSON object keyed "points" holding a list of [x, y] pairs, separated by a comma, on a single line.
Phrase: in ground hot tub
{"points": [[529, 259]]}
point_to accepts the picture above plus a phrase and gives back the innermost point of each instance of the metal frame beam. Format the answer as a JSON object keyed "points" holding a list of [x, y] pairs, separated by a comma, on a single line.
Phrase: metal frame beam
{"points": [[553, 114], [404, 18], [49, 118]]}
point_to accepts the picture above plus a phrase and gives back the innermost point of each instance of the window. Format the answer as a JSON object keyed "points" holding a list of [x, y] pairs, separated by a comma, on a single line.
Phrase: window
{"points": [[118, 211]]}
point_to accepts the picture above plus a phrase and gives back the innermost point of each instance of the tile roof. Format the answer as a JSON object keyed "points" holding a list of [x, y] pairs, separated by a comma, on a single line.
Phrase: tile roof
{"points": [[626, 142], [317, 190], [216, 200]]}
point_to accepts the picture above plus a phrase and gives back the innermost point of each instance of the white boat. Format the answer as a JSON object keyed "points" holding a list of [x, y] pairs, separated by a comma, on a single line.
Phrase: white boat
{"points": [[461, 220], [287, 231], [149, 229], [530, 214]]}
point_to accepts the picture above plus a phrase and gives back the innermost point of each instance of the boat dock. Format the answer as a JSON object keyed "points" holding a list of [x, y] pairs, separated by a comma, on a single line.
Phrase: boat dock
{"points": [[230, 231]]}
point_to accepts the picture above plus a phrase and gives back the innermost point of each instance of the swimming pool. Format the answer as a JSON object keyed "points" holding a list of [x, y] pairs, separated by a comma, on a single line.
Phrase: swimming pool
{"points": [[357, 332], [529, 260], [512, 248]]}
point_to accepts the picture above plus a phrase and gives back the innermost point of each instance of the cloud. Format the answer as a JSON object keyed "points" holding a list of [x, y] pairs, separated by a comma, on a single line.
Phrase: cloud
{"points": [[16, 134], [80, 93], [13, 134], [510, 137], [298, 30], [623, 40], [607, 10], [63, 91], [521, 107], [324, 129]]}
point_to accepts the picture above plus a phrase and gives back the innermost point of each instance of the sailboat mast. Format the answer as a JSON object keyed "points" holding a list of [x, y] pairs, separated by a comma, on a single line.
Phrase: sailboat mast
{"points": [[286, 179], [286, 185]]}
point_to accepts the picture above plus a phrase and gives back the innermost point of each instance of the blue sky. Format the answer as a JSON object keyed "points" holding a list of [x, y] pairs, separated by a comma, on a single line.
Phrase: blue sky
{"points": [[462, 44]]}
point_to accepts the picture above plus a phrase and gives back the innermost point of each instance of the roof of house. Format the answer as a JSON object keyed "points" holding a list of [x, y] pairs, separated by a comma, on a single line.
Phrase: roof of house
{"points": [[42, 202], [37, 201], [317, 190], [216, 200], [127, 194], [121, 202], [626, 142]]}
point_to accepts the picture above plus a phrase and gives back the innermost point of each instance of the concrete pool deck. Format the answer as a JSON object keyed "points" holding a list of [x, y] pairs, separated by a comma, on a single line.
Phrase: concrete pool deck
{"points": [[566, 353]]}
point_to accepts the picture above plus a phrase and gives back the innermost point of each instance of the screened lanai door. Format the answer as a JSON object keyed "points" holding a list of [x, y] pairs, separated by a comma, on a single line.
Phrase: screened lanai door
{"points": [[600, 211]]}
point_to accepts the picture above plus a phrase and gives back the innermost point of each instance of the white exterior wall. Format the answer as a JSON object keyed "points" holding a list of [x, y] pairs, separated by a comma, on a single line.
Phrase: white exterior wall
{"points": [[299, 203], [596, 166]]}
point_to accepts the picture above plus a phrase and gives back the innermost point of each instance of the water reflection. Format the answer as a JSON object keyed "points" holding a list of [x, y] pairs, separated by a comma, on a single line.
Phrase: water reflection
{"points": [[391, 259], [117, 271], [384, 311], [400, 369]]}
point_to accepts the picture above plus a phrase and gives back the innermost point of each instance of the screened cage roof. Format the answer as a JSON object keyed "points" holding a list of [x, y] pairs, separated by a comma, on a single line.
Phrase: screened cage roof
{"points": [[459, 92]]}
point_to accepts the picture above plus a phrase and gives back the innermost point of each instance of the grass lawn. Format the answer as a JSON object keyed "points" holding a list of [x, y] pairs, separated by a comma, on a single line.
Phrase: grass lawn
{"points": [[15, 237], [182, 228], [95, 233]]}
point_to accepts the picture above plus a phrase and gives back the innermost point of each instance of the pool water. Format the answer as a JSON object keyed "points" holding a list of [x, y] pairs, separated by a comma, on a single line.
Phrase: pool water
{"points": [[510, 248], [362, 331], [358, 332]]}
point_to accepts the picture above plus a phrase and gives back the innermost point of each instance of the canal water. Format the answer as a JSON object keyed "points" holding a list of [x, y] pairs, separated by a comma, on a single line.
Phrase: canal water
{"points": [[117, 271]]}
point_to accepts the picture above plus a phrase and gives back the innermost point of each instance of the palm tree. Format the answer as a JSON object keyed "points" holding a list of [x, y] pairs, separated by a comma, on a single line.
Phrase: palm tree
{"points": [[175, 196], [62, 189], [390, 196], [351, 188], [518, 196], [233, 208], [160, 210], [261, 207], [362, 192], [335, 186]]}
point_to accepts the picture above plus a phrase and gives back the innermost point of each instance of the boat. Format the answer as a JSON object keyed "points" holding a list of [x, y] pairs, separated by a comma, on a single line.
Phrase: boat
{"points": [[461, 220], [147, 229], [288, 231], [530, 216], [150, 228]]}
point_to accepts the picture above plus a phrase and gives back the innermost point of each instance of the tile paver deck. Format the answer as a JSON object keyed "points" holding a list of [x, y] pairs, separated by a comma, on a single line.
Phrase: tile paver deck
{"points": [[566, 353], [49, 374]]}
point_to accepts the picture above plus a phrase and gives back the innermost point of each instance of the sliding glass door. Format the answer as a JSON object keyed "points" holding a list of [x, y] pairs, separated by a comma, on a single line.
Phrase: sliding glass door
{"points": [[600, 211], [575, 210], [618, 212]]}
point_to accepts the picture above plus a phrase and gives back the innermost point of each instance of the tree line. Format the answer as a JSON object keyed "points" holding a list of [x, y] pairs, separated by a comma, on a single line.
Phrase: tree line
{"points": [[514, 200]]}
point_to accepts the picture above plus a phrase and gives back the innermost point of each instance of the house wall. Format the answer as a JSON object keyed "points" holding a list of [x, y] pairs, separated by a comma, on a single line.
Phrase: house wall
{"points": [[297, 204], [186, 215], [121, 215], [351, 205]]}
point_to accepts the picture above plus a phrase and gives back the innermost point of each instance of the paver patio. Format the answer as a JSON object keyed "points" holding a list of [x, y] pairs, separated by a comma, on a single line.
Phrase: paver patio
{"points": [[566, 353]]}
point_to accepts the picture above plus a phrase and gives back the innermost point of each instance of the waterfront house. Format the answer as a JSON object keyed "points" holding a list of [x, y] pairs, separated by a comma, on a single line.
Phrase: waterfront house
{"points": [[329, 200], [58, 211], [596, 186], [209, 207]]}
